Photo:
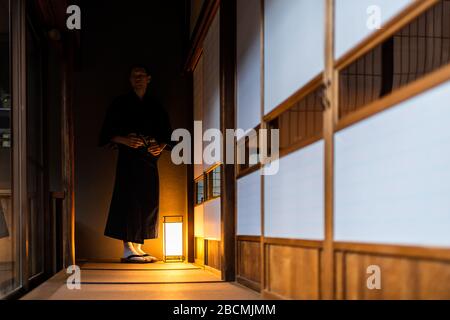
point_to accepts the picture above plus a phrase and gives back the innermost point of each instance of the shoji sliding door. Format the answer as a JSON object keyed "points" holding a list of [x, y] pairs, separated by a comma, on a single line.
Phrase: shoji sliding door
{"points": [[207, 210], [248, 116], [293, 47], [248, 68], [211, 117], [248, 88], [294, 55], [392, 175], [249, 205], [357, 19], [391, 150], [364, 184], [198, 115], [294, 198], [198, 168]]}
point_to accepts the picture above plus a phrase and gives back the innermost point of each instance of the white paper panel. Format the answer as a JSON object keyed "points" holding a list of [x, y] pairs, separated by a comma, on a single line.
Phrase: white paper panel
{"points": [[248, 64], [199, 221], [294, 198], [393, 175], [249, 205], [212, 219], [352, 17], [198, 113], [294, 47], [211, 80]]}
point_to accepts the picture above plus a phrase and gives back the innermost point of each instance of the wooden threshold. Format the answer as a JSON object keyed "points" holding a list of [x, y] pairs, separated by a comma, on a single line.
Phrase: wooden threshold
{"points": [[249, 283]]}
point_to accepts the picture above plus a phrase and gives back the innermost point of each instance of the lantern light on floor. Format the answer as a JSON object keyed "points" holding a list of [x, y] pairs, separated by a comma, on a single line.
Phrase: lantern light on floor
{"points": [[173, 238]]}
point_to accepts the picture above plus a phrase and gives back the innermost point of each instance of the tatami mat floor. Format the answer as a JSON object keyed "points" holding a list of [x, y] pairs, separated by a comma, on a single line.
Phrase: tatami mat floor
{"points": [[158, 281]]}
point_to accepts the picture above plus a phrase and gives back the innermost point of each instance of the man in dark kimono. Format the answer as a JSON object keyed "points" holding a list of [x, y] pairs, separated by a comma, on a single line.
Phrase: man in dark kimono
{"points": [[139, 128]]}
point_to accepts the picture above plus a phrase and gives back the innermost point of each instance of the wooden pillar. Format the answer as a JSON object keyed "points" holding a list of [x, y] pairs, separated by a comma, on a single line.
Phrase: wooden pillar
{"points": [[19, 132], [68, 167], [227, 117], [328, 275], [263, 126]]}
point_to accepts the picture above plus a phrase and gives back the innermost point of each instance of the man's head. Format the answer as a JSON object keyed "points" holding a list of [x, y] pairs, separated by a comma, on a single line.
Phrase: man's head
{"points": [[139, 77]]}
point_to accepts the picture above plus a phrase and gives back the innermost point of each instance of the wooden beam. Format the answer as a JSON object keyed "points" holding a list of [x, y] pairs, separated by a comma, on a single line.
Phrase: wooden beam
{"points": [[227, 119], [401, 251], [205, 20]]}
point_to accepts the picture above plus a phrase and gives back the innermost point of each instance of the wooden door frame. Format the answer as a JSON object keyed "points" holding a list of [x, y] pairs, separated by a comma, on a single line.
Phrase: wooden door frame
{"points": [[20, 208], [68, 156], [19, 125], [227, 75]]}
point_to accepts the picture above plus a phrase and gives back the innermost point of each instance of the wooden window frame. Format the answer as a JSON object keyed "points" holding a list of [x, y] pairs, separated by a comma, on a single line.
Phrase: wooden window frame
{"points": [[196, 181], [208, 196], [243, 170], [404, 93]]}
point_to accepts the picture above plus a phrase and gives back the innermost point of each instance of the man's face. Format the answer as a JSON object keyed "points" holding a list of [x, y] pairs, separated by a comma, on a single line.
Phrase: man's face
{"points": [[139, 79]]}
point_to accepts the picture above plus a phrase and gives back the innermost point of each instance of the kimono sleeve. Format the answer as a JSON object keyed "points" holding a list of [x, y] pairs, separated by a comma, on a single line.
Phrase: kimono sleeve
{"points": [[110, 127]]}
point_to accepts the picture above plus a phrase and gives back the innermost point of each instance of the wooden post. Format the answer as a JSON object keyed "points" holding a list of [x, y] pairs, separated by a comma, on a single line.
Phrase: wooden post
{"points": [[263, 126], [327, 268], [227, 120], [68, 155], [19, 127]]}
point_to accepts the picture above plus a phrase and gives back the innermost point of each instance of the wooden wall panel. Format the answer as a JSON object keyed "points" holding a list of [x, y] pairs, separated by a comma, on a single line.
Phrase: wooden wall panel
{"points": [[249, 263], [339, 275], [401, 278], [293, 272], [199, 251], [212, 252]]}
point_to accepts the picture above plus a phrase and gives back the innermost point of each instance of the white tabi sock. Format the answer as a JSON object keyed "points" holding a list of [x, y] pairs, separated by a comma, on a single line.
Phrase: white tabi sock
{"points": [[138, 248], [128, 250]]}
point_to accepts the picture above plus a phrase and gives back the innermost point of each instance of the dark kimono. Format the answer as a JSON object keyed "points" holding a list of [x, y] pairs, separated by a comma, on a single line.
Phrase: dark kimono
{"points": [[134, 209]]}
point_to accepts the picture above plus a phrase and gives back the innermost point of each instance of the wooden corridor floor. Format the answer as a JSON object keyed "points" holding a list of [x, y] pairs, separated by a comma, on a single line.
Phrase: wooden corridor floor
{"points": [[156, 281]]}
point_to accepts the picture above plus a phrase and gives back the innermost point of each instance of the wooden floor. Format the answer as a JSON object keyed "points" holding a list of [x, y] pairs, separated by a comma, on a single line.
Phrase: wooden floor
{"points": [[157, 281]]}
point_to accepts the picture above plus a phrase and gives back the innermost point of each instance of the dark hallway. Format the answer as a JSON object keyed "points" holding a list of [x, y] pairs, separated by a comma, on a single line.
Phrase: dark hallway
{"points": [[115, 36], [300, 151]]}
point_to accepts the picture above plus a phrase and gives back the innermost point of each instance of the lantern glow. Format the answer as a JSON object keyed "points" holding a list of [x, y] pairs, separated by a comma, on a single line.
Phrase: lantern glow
{"points": [[173, 238]]}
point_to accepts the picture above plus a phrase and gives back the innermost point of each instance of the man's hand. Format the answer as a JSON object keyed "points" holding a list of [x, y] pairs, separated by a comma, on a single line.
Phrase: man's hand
{"points": [[131, 141], [156, 149]]}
